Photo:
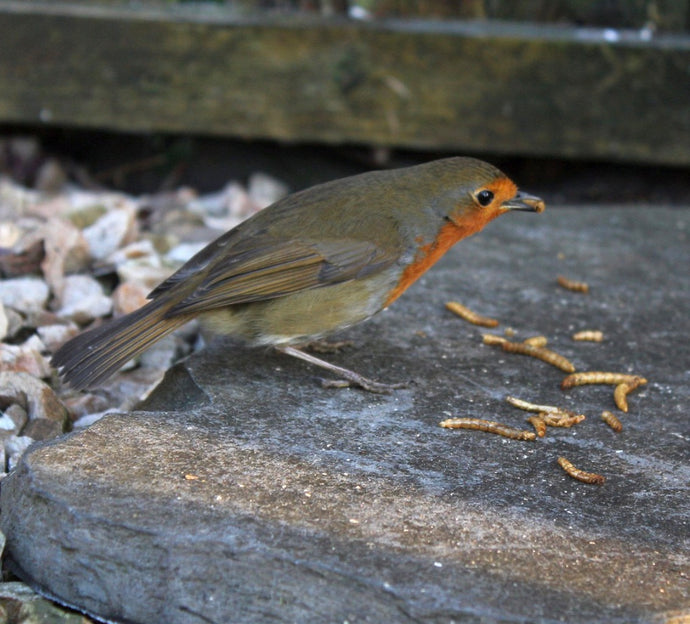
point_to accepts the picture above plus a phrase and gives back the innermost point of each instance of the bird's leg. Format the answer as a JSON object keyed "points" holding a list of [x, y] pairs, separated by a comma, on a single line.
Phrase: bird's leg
{"points": [[324, 346], [352, 378]]}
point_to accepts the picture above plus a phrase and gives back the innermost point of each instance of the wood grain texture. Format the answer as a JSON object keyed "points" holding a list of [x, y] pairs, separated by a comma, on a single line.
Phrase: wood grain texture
{"points": [[465, 86]]}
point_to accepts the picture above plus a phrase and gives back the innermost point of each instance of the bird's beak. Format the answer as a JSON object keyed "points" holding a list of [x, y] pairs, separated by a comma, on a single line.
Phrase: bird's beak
{"points": [[524, 201]]}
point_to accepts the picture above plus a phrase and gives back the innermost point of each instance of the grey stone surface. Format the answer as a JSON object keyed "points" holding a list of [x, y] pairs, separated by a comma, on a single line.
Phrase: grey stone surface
{"points": [[244, 492]]}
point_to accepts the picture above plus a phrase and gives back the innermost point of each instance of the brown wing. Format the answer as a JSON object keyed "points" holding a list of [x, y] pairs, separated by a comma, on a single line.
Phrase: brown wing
{"points": [[279, 268]]}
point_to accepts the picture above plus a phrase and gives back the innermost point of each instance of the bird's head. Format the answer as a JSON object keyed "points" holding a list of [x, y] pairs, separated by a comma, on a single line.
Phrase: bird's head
{"points": [[481, 193]]}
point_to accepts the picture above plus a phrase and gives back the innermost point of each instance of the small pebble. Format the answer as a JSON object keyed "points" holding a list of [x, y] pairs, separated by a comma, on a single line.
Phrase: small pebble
{"points": [[4, 322], [129, 296], [23, 359], [161, 355], [25, 294], [36, 397], [55, 335], [88, 419], [147, 271], [10, 233], [264, 189], [109, 232], [83, 299], [66, 251], [15, 447], [183, 252], [7, 424], [18, 416], [50, 177], [134, 251]]}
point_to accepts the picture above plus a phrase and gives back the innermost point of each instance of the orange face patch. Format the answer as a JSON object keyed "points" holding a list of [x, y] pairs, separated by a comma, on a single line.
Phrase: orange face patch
{"points": [[503, 189], [467, 221]]}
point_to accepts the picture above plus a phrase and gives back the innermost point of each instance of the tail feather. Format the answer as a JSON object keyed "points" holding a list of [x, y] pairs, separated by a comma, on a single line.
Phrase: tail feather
{"points": [[95, 355]]}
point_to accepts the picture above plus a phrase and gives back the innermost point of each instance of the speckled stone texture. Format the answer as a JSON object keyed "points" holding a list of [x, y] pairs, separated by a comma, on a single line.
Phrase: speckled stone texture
{"points": [[244, 492]]}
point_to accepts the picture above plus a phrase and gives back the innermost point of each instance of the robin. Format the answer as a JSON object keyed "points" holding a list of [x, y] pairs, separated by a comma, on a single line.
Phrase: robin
{"points": [[310, 264]]}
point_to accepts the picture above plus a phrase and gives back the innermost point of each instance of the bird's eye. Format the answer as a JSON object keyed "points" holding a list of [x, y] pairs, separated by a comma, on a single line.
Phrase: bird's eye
{"points": [[485, 197]]}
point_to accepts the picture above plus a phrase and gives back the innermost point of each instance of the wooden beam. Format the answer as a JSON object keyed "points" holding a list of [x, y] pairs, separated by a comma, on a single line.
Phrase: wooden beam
{"points": [[463, 86]]}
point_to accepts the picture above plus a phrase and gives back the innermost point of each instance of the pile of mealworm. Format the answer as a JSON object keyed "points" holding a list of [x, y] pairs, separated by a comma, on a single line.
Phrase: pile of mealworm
{"points": [[544, 416]]}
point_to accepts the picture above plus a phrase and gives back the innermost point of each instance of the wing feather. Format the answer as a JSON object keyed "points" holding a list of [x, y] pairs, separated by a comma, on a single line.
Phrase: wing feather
{"points": [[281, 268]]}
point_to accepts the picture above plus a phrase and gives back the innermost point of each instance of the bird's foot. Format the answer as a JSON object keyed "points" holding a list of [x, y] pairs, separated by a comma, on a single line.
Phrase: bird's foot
{"points": [[326, 346]]}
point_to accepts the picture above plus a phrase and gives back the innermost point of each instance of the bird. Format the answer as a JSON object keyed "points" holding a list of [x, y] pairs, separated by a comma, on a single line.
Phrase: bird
{"points": [[313, 263]]}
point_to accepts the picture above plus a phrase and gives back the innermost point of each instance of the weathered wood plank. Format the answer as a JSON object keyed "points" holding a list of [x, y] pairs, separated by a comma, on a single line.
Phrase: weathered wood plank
{"points": [[465, 86], [664, 15]]}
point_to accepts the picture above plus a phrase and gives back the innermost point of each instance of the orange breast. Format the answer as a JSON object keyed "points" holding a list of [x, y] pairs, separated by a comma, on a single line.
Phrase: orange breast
{"points": [[428, 255]]}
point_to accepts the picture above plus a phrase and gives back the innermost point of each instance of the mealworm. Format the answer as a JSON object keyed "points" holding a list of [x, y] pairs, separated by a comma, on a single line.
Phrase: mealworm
{"points": [[536, 341], [580, 475], [620, 397], [569, 284], [470, 316], [532, 407], [493, 339], [590, 335], [489, 426], [612, 421], [620, 393], [562, 419], [539, 425], [541, 353], [600, 377]]}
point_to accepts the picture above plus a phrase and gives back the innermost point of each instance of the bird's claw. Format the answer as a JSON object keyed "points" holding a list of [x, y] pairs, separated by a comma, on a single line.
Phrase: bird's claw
{"points": [[325, 346]]}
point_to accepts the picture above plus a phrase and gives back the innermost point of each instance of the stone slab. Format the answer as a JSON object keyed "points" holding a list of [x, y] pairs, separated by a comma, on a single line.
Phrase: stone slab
{"points": [[244, 492]]}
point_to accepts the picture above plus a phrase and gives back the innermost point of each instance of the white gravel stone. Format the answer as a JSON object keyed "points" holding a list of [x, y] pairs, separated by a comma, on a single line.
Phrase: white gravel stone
{"points": [[7, 424], [18, 415], [147, 271], [129, 296], [184, 251], [110, 232], [24, 359], [10, 233], [4, 322], [15, 446], [134, 251], [25, 294], [265, 189], [53, 336], [66, 251], [88, 419], [83, 299]]}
